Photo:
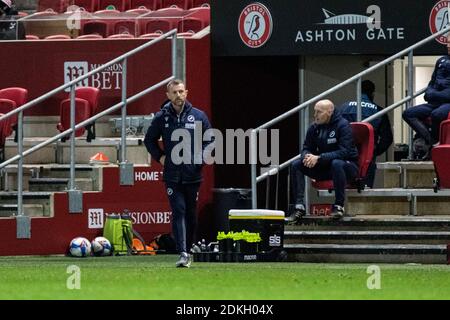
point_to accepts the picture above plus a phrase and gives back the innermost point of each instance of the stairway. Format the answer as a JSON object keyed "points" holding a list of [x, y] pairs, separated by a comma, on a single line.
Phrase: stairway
{"points": [[405, 221]]}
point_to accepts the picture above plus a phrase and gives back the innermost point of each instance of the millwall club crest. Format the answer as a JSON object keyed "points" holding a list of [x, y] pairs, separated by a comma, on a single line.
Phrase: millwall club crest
{"points": [[255, 25], [439, 19]]}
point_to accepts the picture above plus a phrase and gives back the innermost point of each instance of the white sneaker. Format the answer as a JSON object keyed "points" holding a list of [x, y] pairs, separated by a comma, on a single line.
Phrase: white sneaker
{"points": [[184, 261]]}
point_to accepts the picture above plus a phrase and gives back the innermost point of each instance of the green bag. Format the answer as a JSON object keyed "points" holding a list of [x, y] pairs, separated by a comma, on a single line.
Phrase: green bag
{"points": [[119, 231]]}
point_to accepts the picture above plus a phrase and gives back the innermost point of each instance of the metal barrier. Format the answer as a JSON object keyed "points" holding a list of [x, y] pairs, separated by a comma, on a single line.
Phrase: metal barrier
{"points": [[126, 168], [303, 107]]}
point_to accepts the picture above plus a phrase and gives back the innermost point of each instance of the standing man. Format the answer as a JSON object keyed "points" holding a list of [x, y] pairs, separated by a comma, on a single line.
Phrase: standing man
{"points": [[176, 123], [437, 107], [382, 126], [328, 153]]}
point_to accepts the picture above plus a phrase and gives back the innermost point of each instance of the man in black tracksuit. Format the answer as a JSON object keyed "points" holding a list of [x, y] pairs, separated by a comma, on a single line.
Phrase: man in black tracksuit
{"points": [[182, 158], [329, 153], [437, 107]]}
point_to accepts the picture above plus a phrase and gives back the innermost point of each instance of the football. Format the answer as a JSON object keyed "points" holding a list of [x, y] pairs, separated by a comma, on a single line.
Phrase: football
{"points": [[80, 247], [101, 247]]}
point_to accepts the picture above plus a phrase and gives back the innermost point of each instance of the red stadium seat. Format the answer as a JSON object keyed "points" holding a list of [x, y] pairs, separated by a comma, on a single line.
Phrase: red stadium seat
{"points": [[190, 25], [86, 104], [31, 37], [19, 96], [7, 105], [150, 35], [202, 13], [363, 137], [121, 36], [139, 11], [58, 37], [125, 26], [158, 26], [56, 5], [148, 4], [91, 36], [88, 5], [81, 113], [121, 5], [183, 4], [95, 27]]}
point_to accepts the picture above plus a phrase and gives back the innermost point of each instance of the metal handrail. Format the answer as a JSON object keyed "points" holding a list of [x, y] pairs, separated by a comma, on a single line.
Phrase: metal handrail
{"points": [[74, 195], [253, 136]]}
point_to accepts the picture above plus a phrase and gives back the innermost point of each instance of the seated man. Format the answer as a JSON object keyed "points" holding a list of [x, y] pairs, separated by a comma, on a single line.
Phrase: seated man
{"points": [[437, 107], [329, 153], [382, 126]]}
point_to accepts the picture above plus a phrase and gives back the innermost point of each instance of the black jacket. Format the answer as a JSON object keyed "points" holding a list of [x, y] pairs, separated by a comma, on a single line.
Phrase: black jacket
{"points": [[187, 164], [438, 90], [331, 141]]}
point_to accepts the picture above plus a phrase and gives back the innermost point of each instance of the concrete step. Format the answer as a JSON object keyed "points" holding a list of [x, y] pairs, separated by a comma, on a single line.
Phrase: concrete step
{"points": [[372, 237], [367, 253], [407, 174], [34, 203], [59, 184], [9, 174], [31, 210], [59, 152], [373, 223], [395, 201]]}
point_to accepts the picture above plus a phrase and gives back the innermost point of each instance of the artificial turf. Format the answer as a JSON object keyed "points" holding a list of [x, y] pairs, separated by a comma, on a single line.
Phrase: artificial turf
{"points": [[155, 277]]}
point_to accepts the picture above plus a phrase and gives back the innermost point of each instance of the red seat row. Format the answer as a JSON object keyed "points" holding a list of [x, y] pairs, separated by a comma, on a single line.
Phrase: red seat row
{"points": [[121, 5]]}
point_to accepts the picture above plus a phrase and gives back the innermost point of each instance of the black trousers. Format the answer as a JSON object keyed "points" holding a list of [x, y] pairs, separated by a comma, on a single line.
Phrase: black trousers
{"points": [[183, 201]]}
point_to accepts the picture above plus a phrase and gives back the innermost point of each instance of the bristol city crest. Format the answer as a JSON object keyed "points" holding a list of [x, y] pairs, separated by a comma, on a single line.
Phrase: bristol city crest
{"points": [[255, 25], [439, 19]]}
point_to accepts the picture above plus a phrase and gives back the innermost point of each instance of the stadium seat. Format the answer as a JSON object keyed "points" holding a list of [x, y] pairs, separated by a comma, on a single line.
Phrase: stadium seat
{"points": [[81, 113], [31, 37], [200, 3], [363, 137], [202, 13], [150, 35], [86, 104], [146, 4], [19, 96], [121, 5], [95, 27], [6, 126], [440, 155], [190, 25], [158, 26], [58, 37], [91, 36], [88, 5], [59, 6], [139, 11], [183, 4], [125, 26], [121, 36]]}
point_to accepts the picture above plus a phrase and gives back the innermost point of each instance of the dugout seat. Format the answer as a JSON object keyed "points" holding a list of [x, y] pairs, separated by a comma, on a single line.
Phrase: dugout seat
{"points": [[158, 26], [363, 137], [19, 96], [86, 104], [440, 155], [95, 27]]}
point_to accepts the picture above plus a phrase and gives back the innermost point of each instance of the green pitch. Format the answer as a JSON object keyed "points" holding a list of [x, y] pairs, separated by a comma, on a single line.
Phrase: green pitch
{"points": [[155, 277]]}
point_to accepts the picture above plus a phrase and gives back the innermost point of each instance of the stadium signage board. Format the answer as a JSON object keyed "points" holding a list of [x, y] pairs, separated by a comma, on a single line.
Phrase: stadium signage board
{"points": [[325, 27]]}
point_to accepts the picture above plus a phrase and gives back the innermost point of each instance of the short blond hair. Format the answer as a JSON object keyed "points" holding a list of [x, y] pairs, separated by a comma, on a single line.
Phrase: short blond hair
{"points": [[174, 82]]}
